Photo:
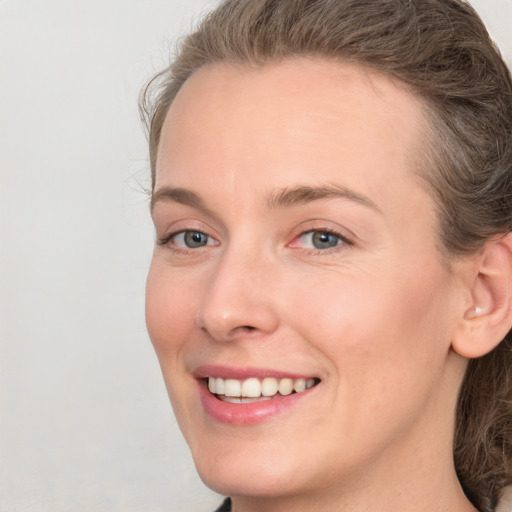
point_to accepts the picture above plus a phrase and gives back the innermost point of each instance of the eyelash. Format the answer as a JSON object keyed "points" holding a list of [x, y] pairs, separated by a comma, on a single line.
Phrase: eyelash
{"points": [[167, 239], [343, 242]]}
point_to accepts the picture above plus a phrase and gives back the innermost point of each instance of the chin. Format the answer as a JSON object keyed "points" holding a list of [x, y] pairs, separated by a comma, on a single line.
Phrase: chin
{"points": [[257, 476]]}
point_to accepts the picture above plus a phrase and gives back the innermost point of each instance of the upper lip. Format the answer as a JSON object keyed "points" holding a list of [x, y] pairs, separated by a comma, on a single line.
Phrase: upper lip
{"points": [[240, 373]]}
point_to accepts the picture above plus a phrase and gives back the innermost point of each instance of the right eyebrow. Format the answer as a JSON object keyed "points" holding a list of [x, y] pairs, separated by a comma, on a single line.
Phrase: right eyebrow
{"points": [[287, 197], [177, 195]]}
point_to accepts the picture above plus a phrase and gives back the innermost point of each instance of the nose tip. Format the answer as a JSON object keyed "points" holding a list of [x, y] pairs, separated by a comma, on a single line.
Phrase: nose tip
{"points": [[234, 305], [230, 325]]}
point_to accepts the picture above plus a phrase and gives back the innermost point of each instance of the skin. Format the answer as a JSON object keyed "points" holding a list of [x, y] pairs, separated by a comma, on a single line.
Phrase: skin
{"points": [[373, 317]]}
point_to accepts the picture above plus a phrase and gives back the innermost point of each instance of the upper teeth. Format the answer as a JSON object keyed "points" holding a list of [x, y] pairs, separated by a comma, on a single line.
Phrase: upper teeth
{"points": [[253, 387]]}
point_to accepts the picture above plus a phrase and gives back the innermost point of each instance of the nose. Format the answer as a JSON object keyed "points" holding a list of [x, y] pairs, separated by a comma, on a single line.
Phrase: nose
{"points": [[238, 300]]}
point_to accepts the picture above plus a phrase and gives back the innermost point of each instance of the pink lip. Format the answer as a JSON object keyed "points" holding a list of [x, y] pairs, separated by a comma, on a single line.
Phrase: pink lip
{"points": [[229, 372], [244, 414]]}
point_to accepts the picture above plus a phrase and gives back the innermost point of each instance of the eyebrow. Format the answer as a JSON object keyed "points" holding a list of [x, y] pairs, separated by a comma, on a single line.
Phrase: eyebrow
{"points": [[281, 198], [178, 195], [287, 197]]}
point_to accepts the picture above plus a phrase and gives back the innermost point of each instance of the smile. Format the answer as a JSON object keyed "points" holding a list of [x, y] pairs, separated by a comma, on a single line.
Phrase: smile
{"points": [[243, 396], [253, 389]]}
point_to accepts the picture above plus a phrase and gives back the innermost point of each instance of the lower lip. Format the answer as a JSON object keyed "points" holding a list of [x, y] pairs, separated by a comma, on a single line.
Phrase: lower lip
{"points": [[247, 414]]}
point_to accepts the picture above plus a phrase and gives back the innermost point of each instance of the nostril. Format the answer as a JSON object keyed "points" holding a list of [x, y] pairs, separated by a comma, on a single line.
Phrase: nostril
{"points": [[225, 319]]}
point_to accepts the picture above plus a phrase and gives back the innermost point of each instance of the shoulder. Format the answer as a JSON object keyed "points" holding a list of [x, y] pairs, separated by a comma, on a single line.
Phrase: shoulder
{"points": [[505, 504]]}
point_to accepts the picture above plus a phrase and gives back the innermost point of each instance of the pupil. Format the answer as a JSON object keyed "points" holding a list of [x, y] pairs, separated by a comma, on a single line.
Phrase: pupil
{"points": [[322, 240]]}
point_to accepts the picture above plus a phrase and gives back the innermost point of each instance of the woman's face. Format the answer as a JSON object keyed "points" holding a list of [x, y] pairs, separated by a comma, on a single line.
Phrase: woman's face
{"points": [[296, 247]]}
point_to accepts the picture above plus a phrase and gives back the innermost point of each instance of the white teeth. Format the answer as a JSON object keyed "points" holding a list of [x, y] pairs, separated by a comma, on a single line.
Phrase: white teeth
{"points": [[238, 391], [286, 386], [299, 385], [219, 385], [251, 388], [269, 386], [232, 387], [242, 400]]}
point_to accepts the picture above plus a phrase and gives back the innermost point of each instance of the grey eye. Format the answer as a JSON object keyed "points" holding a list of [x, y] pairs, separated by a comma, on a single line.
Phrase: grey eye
{"points": [[191, 239], [324, 240], [320, 240]]}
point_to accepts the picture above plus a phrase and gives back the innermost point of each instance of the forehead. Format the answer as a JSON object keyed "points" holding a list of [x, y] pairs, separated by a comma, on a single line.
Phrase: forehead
{"points": [[288, 121]]}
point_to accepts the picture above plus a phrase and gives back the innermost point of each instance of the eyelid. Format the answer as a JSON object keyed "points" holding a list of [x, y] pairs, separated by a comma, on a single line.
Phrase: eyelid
{"points": [[175, 233], [171, 228]]}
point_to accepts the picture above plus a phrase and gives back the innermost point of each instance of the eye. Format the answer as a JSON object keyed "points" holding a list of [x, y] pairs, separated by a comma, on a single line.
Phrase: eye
{"points": [[191, 239], [320, 240]]}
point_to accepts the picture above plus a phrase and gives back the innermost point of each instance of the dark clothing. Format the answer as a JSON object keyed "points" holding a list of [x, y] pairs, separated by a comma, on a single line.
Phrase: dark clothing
{"points": [[225, 507]]}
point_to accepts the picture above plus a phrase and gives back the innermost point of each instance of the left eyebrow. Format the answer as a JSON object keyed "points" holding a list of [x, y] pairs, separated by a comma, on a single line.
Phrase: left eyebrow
{"points": [[287, 197]]}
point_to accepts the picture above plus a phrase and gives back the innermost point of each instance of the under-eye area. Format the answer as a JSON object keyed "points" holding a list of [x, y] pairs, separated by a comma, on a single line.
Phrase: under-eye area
{"points": [[254, 390]]}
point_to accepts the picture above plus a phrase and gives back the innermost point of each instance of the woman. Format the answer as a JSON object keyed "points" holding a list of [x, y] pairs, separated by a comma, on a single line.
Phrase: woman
{"points": [[330, 292]]}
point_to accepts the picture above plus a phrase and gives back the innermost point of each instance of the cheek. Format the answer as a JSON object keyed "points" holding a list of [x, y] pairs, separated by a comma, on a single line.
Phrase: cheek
{"points": [[377, 332], [385, 360], [170, 313], [170, 310]]}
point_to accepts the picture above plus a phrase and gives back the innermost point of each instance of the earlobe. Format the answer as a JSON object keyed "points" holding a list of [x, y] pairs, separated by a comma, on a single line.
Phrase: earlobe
{"points": [[489, 317]]}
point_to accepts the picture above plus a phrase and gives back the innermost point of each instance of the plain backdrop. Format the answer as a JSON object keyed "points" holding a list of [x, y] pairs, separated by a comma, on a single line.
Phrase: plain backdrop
{"points": [[85, 423]]}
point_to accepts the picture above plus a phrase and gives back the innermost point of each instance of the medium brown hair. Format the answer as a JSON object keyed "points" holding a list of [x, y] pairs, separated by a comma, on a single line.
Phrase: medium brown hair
{"points": [[441, 50]]}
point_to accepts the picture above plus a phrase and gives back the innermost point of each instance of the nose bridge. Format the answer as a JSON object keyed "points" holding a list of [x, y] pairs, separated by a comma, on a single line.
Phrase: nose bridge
{"points": [[238, 298]]}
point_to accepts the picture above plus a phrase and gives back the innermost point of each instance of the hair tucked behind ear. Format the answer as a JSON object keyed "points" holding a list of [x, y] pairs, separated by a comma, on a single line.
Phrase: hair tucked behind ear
{"points": [[441, 50]]}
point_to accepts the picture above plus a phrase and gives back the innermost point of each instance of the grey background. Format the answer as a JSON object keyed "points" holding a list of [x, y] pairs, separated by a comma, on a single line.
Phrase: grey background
{"points": [[85, 423]]}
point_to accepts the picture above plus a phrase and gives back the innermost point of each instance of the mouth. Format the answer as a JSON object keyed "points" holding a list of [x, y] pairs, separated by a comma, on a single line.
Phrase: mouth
{"points": [[244, 396], [253, 389]]}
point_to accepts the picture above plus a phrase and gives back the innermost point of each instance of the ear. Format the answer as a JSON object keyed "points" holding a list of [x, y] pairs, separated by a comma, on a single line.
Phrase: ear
{"points": [[488, 318]]}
